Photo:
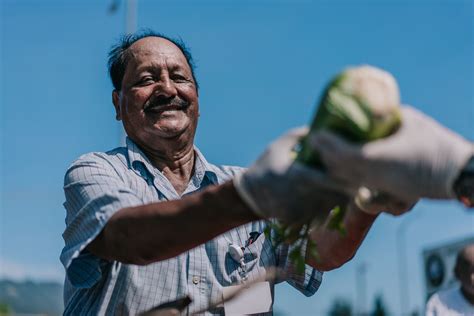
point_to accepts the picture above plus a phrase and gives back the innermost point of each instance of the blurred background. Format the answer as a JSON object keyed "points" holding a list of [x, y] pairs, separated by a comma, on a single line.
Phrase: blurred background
{"points": [[261, 66]]}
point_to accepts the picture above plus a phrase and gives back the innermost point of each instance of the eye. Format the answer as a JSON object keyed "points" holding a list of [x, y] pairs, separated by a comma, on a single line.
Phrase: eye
{"points": [[146, 80], [179, 78]]}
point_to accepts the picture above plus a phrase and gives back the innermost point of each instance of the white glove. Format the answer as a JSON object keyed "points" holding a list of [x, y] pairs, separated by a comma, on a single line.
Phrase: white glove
{"points": [[276, 186], [375, 202], [422, 159]]}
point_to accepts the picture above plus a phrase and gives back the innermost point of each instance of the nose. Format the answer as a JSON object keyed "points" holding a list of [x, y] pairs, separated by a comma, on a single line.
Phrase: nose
{"points": [[166, 87]]}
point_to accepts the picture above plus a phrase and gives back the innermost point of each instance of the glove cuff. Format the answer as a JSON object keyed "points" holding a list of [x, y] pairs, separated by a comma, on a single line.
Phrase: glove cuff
{"points": [[462, 151], [242, 191]]}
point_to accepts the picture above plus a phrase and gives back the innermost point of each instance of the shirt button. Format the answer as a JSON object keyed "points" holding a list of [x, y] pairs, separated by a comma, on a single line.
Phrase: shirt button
{"points": [[196, 279]]}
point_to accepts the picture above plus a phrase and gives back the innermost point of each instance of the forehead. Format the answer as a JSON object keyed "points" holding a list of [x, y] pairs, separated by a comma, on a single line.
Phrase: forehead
{"points": [[156, 49]]}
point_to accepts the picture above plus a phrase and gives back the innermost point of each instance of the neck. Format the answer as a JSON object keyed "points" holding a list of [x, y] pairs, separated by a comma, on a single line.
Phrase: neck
{"points": [[175, 161], [467, 295]]}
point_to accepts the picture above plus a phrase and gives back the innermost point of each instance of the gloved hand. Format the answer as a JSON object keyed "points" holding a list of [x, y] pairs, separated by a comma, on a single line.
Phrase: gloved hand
{"points": [[375, 202], [276, 186], [422, 159]]}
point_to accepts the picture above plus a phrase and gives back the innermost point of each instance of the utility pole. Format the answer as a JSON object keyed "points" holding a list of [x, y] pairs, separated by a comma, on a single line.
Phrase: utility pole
{"points": [[361, 289], [131, 8], [404, 289], [131, 16]]}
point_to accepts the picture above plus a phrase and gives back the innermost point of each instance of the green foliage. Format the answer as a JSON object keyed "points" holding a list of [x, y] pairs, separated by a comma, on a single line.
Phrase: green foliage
{"points": [[379, 307], [336, 220], [5, 309], [31, 297], [340, 307], [298, 237]]}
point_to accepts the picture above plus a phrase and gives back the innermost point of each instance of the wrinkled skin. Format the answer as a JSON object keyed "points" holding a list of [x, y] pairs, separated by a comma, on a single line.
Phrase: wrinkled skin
{"points": [[158, 101]]}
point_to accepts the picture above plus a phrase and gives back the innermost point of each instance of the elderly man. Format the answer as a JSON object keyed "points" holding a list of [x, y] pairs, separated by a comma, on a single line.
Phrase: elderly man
{"points": [[456, 301], [154, 221], [136, 237]]}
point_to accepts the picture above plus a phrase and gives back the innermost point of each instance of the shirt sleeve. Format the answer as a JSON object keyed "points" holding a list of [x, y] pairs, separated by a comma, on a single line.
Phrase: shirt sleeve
{"points": [[306, 282], [94, 191]]}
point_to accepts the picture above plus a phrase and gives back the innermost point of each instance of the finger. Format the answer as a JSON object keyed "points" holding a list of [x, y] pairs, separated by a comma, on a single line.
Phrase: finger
{"points": [[374, 202], [410, 113], [291, 138], [299, 131]]}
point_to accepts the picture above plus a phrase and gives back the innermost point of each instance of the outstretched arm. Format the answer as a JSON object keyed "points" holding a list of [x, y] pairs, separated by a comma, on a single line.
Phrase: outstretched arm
{"points": [[274, 187], [133, 234]]}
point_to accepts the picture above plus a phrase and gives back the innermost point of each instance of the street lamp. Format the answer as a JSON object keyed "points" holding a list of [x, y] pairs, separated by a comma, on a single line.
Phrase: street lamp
{"points": [[130, 14], [361, 284], [402, 263], [130, 27]]}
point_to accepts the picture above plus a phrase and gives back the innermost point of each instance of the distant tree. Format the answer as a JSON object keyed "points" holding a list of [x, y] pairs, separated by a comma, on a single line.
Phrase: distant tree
{"points": [[340, 307], [379, 307], [5, 309]]}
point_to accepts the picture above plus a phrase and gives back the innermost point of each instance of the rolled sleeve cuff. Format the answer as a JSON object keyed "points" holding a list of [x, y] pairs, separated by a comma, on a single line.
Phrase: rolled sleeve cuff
{"points": [[84, 269], [307, 282]]}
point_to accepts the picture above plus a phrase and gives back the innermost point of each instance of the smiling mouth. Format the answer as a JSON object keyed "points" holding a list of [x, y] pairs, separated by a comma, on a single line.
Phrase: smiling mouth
{"points": [[160, 105], [163, 108]]}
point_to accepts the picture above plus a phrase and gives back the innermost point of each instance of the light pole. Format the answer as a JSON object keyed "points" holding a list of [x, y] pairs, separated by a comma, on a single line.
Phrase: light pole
{"points": [[361, 285], [404, 294], [131, 7], [131, 16]]}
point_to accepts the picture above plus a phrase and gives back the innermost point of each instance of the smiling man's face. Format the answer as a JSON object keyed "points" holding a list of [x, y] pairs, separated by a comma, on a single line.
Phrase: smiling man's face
{"points": [[158, 99]]}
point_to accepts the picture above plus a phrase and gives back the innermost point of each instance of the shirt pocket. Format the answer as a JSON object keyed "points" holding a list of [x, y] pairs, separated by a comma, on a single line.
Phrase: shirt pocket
{"points": [[259, 257]]}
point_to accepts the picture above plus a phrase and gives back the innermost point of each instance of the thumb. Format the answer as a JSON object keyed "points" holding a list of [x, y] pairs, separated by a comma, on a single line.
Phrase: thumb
{"points": [[288, 140]]}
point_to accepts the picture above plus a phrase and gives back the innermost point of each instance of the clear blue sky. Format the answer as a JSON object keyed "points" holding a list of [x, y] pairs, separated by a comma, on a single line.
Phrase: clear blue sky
{"points": [[261, 67]]}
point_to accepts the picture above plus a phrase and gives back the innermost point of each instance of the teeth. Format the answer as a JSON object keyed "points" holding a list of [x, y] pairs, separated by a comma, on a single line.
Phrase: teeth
{"points": [[162, 108]]}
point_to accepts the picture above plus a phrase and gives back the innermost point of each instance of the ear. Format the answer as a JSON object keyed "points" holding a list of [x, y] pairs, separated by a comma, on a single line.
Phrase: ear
{"points": [[116, 102]]}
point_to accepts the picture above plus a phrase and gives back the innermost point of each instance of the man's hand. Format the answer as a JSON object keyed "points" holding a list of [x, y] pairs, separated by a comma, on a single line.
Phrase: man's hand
{"points": [[276, 186], [422, 159]]}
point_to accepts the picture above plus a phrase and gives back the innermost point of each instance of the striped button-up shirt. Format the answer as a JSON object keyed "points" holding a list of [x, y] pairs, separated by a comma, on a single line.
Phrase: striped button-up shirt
{"points": [[99, 184]]}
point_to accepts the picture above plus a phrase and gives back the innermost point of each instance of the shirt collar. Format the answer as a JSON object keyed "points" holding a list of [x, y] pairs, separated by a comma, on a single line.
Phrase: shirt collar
{"points": [[203, 170]]}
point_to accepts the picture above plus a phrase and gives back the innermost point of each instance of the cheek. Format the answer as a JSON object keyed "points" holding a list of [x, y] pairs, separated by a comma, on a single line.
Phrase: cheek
{"points": [[137, 98], [195, 113], [188, 92]]}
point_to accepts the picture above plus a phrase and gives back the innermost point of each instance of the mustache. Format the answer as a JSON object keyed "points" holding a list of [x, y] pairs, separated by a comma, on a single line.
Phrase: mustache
{"points": [[155, 103]]}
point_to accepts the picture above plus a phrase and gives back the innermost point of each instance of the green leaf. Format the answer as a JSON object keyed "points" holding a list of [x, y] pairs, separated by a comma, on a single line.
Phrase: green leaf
{"points": [[313, 252], [336, 221], [295, 254], [268, 231], [300, 265]]}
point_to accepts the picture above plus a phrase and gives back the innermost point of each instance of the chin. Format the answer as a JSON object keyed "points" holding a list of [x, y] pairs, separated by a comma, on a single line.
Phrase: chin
{"points": [[171, 131]]}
